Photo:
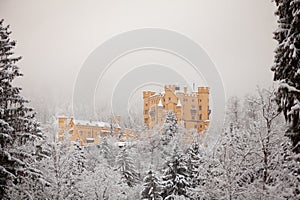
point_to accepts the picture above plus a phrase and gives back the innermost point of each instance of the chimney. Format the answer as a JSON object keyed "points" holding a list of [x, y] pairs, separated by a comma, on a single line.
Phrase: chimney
{"points": [[62, 122], [185, 90], [118, 119]]}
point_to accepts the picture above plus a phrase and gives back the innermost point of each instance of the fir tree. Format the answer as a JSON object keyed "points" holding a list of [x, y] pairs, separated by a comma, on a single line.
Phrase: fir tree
{"points": [[170, 127], [63, 169], [152, 187], [176, 176], [287, 65], [107, 151], [126, 166], [18, 127], [195, 159], [78, 166]]}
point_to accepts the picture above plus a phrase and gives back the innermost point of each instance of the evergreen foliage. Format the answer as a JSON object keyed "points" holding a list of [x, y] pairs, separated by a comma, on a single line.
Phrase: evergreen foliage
{"points": [[170, 127], [152, 187], [126, 166], [18, 127], [176, 177], [287, 65]]}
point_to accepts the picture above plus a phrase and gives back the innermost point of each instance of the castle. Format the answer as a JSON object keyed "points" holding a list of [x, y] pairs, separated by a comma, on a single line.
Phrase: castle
{"points": [[87, 132], [190, 108]]}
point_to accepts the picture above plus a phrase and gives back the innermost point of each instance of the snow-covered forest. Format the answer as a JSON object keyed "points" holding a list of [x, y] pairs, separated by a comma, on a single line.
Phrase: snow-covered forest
{"points": [[256, 154]]}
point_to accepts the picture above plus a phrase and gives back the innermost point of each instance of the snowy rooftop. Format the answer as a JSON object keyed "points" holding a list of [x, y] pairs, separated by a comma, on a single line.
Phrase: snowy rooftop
{"points": [[91, 123]]}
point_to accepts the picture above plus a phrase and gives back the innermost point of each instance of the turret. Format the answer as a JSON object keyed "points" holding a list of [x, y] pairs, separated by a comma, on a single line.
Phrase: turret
{"points": [[62, 122], [160, 108], [179, 111], [203, 103], [185, 89], [146, 95]]}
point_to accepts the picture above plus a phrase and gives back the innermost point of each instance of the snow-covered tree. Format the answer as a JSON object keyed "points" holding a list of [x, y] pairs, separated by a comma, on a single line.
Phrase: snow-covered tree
{"points": [[287, 65], [249, 162], [126, 167], [234, 113], [152, 187], [170, 127], [193, 160], [103, 182], [268, 177], [107, 149], [63, 169], [150, 151], [176, 177], [210, 180], [18, 128], [287, 180]]}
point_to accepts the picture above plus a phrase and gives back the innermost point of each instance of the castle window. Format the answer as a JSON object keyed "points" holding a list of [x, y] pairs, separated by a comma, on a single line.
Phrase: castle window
{"points": [[200, 117], [195, 126], [80, 133], [193, 117], [89, 134], [200, 107], [199, 100], [169, 98]]}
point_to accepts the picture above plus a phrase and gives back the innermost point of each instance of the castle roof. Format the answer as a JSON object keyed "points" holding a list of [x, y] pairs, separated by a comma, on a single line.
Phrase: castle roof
{"points": [[94, 123]]}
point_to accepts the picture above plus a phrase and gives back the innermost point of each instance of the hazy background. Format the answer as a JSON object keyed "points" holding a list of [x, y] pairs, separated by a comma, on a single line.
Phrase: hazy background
{"points": [[55, 37]]}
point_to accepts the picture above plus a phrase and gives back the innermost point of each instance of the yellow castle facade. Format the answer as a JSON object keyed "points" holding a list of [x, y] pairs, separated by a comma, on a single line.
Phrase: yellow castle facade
{"points": [[190, 108], [86, 132]]}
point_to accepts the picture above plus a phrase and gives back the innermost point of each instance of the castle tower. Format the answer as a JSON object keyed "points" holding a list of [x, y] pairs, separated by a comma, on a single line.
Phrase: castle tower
{"points": [[179, 111], [203, 103], [191, 108], [160, 108], [146, 96]]}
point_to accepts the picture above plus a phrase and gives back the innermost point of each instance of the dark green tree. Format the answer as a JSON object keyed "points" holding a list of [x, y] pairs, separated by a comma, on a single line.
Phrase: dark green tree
{"points": [[152, 187], [170, 127], [287, 65], [18, 128], [176, 177]]}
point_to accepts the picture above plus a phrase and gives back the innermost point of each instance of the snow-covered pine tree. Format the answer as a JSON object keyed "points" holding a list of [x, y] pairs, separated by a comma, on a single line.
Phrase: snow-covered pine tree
{"points": [[194, 159], [170, 127], [211, 185], [107, 151], [78, 166], [176, 177], [101, 181], [18, 127], [126, 166], [63, 172], [152, 187], [287, 178], [287, 66]]}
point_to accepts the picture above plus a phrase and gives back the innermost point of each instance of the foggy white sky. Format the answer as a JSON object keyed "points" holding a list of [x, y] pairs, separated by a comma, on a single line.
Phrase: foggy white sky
{"points": [[55, 37]]}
